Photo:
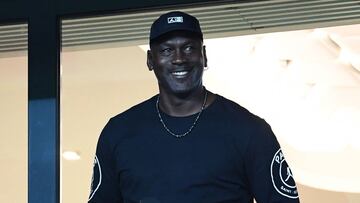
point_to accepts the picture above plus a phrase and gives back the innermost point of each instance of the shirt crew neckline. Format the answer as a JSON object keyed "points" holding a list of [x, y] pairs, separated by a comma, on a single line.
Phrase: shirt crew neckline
{"points": [[189, 116]]}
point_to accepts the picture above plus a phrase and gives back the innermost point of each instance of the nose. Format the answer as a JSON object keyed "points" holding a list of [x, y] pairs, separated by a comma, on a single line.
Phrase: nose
{"points": [[179, 57]]}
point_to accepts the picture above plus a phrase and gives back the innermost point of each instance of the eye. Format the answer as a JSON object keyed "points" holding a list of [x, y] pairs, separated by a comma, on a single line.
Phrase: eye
{"points": [[166, 51], [189, 48]]}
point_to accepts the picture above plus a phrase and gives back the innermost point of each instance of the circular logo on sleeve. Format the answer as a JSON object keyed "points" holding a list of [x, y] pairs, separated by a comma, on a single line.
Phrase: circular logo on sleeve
{"points": [[282, 177], [96, 178]]}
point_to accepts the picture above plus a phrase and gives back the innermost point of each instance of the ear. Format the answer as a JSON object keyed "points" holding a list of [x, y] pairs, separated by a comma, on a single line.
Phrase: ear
{"points": [[205, 57], [149, 60]]}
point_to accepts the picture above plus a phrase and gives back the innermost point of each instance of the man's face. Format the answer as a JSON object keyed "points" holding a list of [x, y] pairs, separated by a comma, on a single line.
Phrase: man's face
{"points": [[178, 60]]}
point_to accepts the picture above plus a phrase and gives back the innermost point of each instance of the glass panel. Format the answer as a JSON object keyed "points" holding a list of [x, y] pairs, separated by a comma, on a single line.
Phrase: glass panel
{"points": [[304, 83], [13, 116]]}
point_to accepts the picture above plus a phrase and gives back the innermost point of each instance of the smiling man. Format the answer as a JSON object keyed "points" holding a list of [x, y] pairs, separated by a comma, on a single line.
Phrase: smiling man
{"points": [[187, 144]]}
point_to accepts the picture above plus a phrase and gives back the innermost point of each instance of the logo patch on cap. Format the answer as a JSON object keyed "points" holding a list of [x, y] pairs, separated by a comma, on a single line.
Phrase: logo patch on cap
{"points": [[175, 19], [282, 177]]}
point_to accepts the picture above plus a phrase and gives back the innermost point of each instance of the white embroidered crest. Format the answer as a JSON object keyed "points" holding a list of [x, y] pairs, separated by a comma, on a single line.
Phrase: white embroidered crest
{"points": [[96, 178], [282, 177]]}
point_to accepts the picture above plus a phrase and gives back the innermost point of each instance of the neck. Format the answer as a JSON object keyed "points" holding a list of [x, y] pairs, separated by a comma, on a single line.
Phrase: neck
{"points": [[182, 104]]}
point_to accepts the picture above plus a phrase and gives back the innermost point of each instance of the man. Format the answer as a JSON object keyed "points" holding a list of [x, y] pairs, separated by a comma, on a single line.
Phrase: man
{"points": [[187, 144]]}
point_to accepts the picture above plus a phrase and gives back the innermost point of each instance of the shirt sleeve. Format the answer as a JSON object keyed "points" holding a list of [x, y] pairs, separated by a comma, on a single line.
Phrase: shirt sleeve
{"points": [[104, 182], [270, 177]]}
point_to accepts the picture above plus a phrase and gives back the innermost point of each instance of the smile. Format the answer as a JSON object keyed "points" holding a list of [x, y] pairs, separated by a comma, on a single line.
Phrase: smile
{"points": [[180, 73]]}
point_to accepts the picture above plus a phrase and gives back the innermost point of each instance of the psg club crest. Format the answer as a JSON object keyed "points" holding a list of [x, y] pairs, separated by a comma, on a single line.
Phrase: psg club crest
{"points": [[282, 177], [96, 178]]}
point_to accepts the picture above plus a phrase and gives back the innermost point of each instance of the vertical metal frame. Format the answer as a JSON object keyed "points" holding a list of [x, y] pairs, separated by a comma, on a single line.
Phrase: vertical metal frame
{"points": [[43, 109]]}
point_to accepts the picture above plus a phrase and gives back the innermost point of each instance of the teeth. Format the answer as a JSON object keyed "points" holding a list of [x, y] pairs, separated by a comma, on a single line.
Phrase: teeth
{"points": [[180, 73]]}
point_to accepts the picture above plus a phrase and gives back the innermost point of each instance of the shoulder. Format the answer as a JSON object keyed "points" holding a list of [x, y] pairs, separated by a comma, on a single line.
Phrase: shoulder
{"points": [[253, 128], [246, 127], [123, 123], [136, 112], [238, 113]]}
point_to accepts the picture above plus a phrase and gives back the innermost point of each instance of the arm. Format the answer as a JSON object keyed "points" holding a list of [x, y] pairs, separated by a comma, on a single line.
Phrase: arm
{"points": [[104, 183], [270, 177]]}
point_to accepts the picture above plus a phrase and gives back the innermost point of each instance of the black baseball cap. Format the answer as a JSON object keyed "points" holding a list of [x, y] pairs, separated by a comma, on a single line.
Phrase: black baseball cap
{"points": [[175, 20]]}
